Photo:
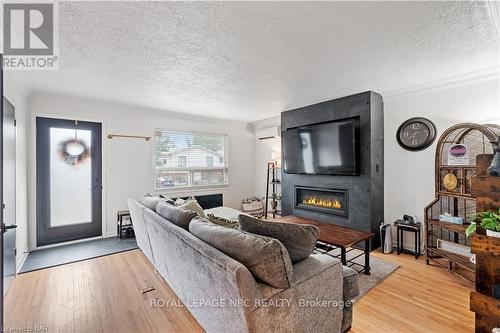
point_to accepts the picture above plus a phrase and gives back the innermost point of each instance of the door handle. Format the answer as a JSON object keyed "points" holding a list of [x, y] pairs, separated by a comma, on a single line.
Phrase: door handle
{"points": [[7, 227]]}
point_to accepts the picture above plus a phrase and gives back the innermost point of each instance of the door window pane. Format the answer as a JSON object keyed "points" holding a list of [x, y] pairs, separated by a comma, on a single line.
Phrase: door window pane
{"points": [[70, 177]]}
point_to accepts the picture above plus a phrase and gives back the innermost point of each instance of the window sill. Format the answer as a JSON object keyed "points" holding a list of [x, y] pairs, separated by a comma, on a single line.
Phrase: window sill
{"points": [[190, 189]]}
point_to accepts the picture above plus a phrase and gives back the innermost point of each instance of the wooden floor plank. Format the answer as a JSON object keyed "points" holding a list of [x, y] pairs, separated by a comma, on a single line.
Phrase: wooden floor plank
{"points": [[102, 295]]}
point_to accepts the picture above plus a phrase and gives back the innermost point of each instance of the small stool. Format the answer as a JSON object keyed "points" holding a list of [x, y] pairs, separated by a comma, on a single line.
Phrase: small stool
{"points": [[120, 216], [415, 228]]}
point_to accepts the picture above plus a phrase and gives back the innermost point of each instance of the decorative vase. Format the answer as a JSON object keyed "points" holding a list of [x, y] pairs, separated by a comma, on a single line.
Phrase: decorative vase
{"points": [[492, 233], [274, 204]]}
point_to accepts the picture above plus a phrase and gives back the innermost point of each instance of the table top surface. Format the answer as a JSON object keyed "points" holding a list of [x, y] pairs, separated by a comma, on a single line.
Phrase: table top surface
{"points": [[330, 233], [401, 224]]}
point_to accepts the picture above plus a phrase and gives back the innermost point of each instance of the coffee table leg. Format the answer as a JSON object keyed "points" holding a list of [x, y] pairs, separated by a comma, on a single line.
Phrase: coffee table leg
{"points": [[343, 256], [367, 257]]}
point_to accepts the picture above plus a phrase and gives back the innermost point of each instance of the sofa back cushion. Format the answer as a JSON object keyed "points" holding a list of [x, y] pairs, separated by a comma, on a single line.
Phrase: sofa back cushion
{"points": [[298, 239], [266, 258], [176, 215]]}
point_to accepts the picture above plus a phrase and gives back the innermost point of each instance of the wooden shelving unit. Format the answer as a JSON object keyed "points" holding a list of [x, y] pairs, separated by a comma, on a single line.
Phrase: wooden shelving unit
{"points": [[458, 200]]}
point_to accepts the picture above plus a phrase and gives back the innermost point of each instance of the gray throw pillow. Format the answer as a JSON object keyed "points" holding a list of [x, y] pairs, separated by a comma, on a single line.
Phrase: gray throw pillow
{"points": [[176, 215], [167, 199], [266, 258], [299, 239], [150, 201]]}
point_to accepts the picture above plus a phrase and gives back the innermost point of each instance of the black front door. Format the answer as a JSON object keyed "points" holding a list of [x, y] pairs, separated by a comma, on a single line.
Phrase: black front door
{"points": [[69, 180], [9, 193]]}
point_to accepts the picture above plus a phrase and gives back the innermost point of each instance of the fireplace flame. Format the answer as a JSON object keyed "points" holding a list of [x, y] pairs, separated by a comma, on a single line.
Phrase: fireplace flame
{"points": [[321, 202]]}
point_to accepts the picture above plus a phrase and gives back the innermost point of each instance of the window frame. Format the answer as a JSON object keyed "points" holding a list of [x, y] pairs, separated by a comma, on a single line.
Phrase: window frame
{"points": [[190, 170]]}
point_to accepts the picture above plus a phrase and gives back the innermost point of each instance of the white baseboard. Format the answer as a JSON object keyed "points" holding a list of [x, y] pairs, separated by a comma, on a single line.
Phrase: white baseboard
{"points": [[22, 261], [110, 234]]}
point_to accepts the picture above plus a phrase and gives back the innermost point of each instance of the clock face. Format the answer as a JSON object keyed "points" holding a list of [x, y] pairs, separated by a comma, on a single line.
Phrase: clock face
{"points": [[450, 181], [416, 134]]}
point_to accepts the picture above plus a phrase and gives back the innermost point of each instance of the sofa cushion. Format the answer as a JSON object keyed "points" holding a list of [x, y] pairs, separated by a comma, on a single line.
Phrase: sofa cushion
{"points": [[266, 258], [150, 201], [194, 206], [176, 215], [299, 239]]}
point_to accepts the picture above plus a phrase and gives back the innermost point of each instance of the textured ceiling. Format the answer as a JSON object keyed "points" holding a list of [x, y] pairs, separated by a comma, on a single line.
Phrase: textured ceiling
{"points": [[252, 60]]}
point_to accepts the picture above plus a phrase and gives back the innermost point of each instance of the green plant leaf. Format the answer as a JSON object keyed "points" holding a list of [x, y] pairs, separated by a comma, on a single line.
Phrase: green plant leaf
{"points": [[471, 229]]}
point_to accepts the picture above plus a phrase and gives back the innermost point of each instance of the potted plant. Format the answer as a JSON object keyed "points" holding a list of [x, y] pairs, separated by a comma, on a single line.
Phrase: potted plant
{"points": [[489, 220], [276, 198]]}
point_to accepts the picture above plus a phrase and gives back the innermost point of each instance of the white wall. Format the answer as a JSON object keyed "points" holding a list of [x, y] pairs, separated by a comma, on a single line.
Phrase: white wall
{"points": [[127, 163], [18, 97], [409, 176], [263, 154]]}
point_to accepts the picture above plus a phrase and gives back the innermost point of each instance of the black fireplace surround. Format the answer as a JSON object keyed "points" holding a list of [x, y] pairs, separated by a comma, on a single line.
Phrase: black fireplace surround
{"points": [[360, 197], [328, 201]]}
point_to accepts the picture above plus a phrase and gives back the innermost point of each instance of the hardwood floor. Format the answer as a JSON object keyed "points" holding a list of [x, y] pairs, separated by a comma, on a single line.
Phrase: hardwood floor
{"points": [[97, 295], [415, 298], [102, 295]]}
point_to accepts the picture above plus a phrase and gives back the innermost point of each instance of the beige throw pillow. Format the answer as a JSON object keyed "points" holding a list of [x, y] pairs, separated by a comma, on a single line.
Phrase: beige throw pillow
{"points": [[194, 206]]}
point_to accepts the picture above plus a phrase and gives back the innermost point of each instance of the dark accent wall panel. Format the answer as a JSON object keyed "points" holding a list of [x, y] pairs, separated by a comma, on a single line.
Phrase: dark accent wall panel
{"points": [[366, 191]]}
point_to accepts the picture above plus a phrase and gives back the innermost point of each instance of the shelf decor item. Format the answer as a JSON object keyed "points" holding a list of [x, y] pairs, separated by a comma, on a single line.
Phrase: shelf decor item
{"points": [[489, 220], [463, 154], [494, 169]]}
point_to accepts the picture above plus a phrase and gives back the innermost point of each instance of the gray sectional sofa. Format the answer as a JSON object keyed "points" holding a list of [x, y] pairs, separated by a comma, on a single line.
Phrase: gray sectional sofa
{"points": [[222, 294]]}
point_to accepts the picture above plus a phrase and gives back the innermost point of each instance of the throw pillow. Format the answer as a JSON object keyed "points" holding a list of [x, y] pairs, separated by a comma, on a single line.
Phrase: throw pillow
{"points": [[176, 215], [179, 201], [266, 258], [167, 199], [194, 206], [150, 201], [299, 239]]}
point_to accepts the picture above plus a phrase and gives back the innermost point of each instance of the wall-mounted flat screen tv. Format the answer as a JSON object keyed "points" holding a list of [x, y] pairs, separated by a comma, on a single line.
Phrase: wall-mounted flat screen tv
{"points": [[329, 148]]}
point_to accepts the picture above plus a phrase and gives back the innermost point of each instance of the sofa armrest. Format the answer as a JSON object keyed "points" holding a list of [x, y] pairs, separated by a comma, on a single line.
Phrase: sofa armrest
{"points": [[312, 304], [350, 283]]}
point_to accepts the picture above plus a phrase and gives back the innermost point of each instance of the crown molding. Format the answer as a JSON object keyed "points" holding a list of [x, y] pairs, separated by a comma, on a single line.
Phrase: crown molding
{"points": [[471, 77]]}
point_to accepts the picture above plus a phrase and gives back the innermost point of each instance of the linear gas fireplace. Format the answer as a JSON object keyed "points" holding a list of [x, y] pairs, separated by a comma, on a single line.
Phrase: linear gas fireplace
{"points": [[329, 201]]}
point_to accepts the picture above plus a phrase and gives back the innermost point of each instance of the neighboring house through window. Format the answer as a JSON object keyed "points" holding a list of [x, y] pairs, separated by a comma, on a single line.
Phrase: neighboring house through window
{"points": [[182, 159]]}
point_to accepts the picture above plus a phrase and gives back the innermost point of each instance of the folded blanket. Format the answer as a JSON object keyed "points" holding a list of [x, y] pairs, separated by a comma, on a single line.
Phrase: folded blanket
{"points": [[224, 216]]}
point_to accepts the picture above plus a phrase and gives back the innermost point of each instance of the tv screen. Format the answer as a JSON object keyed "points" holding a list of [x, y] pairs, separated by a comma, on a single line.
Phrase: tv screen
{"points": [[330, 148]]}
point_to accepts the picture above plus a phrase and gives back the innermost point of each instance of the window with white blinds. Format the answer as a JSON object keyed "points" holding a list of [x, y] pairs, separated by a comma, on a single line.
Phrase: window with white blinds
{"points": [[183, 160]]}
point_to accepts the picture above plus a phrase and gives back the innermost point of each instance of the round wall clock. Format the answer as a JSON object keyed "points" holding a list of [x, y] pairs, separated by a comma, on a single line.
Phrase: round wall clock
{"points": [[416, 134], [450, 181]]}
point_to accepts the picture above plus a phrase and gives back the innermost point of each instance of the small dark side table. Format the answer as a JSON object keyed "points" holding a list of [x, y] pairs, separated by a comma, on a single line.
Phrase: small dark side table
{"points": [[401, 228], [123, 216]]}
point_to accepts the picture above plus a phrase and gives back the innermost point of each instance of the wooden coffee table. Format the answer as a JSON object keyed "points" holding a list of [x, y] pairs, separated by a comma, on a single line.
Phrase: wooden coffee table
{"points": [[338, 237]]}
